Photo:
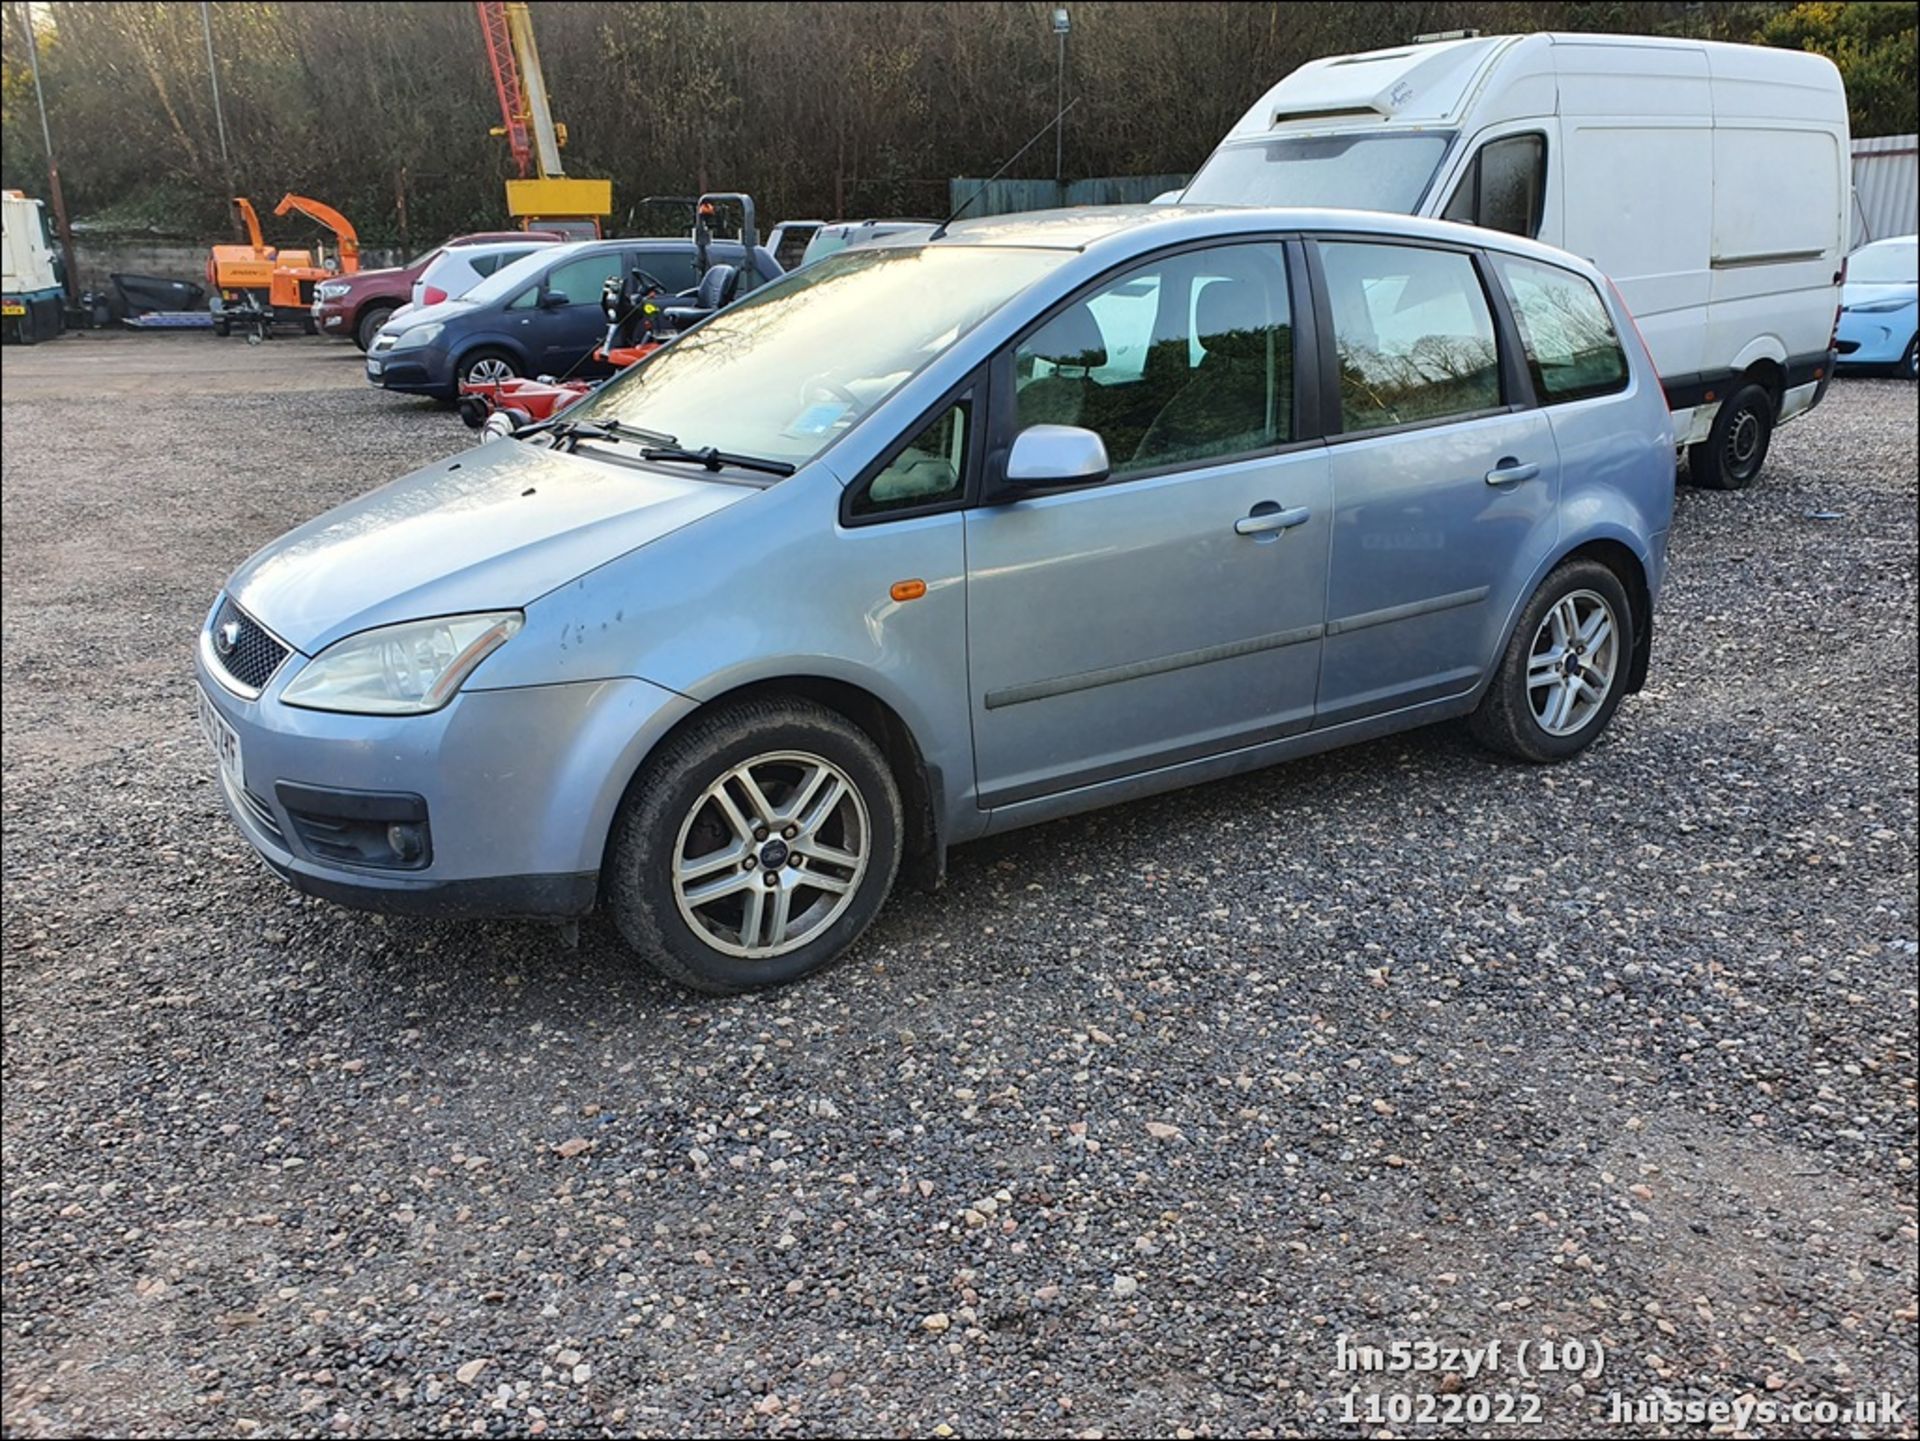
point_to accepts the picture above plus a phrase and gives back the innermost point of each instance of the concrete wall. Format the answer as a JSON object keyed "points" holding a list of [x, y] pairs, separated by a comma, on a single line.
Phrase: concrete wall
{"points": [[100, 256]]}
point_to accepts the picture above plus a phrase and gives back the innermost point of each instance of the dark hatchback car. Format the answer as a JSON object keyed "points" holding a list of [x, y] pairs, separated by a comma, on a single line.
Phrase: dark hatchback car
{"points": [[538, 316], [354, 307]]}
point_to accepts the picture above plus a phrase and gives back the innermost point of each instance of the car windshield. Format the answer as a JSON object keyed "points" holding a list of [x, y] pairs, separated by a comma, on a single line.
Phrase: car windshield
{"points": [[1350, 172], [511, 279], [787, 371], [1892, 262]]}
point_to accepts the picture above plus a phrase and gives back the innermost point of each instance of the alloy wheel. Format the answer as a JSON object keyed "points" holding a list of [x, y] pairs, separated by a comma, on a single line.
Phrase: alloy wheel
{"points": [[771, 854], [489, 370], [1573, 661]]}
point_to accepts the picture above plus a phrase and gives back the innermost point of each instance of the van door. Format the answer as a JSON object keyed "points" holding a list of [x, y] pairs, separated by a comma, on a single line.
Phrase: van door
{"points": [[564, 335], [1173, 611], [1444, 495], [1507, 182], [1636, 125]]}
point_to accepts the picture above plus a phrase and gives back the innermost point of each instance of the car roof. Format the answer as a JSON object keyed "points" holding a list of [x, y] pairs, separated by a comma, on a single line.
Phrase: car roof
{"points": [[1136, 227]]}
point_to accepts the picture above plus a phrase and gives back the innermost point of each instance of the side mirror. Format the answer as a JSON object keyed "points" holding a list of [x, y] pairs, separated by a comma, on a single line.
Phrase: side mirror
{"points": [[553, 299], [1055, 457]]}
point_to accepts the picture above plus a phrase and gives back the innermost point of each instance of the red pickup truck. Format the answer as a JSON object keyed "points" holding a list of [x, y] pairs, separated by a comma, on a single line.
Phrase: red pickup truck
{"points": [[354, 307]]}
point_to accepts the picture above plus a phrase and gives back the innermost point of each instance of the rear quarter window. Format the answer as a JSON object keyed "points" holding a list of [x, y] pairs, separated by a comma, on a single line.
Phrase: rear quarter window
{"points": [[1573, 350]]}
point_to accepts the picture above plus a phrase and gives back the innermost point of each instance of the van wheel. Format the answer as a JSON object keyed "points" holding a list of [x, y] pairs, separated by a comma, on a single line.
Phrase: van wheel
{"points": [[487, 367], [755, 846], [1734, 450], [1565, 669], [368, 326]]}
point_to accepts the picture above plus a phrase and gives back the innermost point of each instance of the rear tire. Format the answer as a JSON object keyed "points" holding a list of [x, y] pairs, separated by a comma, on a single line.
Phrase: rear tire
{"points": [[1549, 660], [1736, 447], [692, 847], [369, 323]]}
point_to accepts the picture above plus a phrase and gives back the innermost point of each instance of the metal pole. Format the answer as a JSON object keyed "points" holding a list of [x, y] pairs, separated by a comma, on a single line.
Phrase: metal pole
{"points": [[53, 170], [219, 116], [1059, 105]]}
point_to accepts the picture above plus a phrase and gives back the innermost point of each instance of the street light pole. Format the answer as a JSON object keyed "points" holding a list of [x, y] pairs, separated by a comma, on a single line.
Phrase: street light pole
{"points": [[53, 170], [1061, 24]]}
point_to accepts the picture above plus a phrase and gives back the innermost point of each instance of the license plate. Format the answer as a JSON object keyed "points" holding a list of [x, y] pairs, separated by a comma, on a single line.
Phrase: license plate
{"points": [[221, 736], [12, 309]]}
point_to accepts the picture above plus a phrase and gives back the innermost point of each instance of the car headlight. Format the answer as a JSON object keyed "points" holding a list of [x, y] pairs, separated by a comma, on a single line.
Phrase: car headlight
{"points": [[331, 290], [418, 336], [406, 669], [1878, 307]]}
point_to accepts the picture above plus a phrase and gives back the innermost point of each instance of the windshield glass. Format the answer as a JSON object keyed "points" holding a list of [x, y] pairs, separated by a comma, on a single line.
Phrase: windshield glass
{"points": [[787, 371], [512, 279], [1889, 263], [1349, 172]]}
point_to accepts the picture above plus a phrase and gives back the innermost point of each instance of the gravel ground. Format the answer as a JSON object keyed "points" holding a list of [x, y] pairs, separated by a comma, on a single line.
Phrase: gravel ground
{"points": [[1115, 1135]]}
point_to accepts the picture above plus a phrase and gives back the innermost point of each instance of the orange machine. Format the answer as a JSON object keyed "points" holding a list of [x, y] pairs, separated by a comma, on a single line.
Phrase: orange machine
{"points": [[256, 283]]}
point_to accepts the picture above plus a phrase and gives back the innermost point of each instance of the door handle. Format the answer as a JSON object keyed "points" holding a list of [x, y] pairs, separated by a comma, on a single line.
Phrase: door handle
{"points": [[1511, 472], [1264, 521]]}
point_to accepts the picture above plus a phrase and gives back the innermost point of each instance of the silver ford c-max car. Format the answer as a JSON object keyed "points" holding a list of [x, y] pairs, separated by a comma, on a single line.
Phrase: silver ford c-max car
{"points": [[938, 539]]}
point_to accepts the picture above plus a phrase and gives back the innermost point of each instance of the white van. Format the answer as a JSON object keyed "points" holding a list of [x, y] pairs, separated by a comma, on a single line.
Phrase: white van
{"points": [[1710, 181]]}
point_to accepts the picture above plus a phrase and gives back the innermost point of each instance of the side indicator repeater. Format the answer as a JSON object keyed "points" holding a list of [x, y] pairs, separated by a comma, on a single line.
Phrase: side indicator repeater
{"points": [[904, 590]]}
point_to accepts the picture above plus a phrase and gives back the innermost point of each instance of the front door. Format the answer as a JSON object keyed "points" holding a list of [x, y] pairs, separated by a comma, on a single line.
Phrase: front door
{"points": [[1175, 610], [1444, 497], [568, 333]]}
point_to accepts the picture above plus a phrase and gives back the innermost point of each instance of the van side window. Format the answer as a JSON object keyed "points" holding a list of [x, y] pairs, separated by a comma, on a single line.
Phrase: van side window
{"points": [[1413, 334], [1504, 187], [1572, 347], [929, 469], [1181, 360], [582, 280]]}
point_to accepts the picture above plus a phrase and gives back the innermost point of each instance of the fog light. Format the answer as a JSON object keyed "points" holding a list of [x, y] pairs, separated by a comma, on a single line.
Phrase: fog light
{"points": [[406, 842]]}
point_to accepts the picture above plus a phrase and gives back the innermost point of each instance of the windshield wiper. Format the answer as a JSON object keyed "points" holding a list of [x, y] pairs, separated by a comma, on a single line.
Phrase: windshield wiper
{"points": [[569, 433], [716, 459]]}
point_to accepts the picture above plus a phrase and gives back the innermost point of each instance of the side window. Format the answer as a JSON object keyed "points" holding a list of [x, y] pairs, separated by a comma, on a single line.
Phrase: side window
{"points": [[674, 269], [1413, 333], [1504, 187], [581, 280], [931, 467], [526, 299], [1572, 347], [1179, 361]]}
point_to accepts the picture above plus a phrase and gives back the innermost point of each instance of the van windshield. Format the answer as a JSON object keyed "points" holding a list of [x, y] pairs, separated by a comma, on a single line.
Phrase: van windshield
{"points": [[787, 371], [1347, 172]]}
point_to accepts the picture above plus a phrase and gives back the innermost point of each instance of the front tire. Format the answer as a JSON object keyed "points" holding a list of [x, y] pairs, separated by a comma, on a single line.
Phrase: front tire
{"points": [[367, 328], [486, 367], [1910, 362], [1736, 447], [1565, 669], [755, 846]]}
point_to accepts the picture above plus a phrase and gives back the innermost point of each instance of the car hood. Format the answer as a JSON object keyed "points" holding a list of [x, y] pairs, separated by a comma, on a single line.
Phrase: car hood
{"points": [[385, 275], [424, 314], [1865, 292], [491, 529]]}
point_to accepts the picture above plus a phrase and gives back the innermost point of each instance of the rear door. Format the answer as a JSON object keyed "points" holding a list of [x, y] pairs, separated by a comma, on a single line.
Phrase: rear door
{"points": [[1174, 611], [1445, 481]]}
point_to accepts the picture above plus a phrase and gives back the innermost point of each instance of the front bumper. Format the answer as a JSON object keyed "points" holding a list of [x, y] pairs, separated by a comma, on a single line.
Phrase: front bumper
{"points": [[332, 317], [519, 789], [422, 370], [1867, 337]]}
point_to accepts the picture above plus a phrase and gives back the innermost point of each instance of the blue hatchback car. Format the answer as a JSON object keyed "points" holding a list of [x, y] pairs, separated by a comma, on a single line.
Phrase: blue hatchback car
{"points": [[940, 537], [1879, 305], [539, 316]]}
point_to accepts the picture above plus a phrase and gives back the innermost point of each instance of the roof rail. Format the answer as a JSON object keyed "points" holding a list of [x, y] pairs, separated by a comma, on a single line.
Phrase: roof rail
{"points": [[1434, 37]]}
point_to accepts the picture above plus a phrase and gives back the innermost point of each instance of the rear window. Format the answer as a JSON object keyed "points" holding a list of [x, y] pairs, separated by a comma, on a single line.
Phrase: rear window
{"points": [[1572, 347], [1413, 333]]}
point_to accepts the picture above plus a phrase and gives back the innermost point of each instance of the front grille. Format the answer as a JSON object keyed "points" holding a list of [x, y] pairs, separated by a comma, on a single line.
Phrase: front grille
{"points": [[243, 648]]}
